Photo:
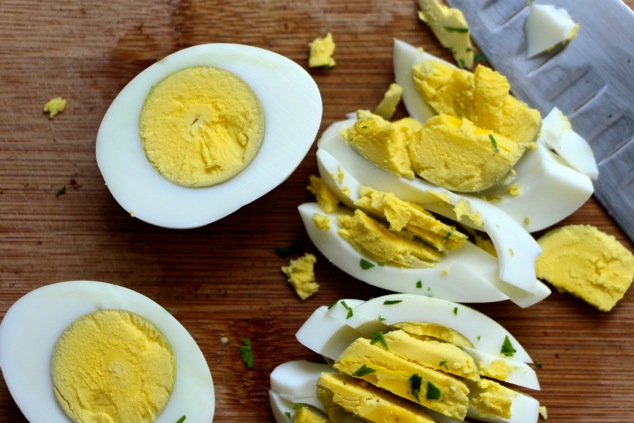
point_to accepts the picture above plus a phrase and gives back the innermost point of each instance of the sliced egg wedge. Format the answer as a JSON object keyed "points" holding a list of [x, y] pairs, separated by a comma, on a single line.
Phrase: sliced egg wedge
{"points": [[344, 171], [546, 28], [550, 189], [294, 382]]}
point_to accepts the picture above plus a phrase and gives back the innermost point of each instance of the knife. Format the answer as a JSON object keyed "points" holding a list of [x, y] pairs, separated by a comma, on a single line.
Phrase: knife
{"points": [[591, 80]]}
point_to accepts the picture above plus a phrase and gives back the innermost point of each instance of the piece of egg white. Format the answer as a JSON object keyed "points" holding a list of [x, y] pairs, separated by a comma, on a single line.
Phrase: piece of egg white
{"points": [[31, 327], [550, 190], [329, 331], [547, 27], [292, 109], [344, 171]]}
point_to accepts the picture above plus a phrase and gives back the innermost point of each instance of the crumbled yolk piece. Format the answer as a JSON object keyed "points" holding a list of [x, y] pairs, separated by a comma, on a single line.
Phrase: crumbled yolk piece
{"points": [[301, 275], [201, 126], [55, 106], [112, 365], [322, 50]]}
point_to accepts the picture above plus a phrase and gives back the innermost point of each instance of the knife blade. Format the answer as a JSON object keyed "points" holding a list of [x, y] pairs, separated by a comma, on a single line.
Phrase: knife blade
{"points": [[591, 80]]}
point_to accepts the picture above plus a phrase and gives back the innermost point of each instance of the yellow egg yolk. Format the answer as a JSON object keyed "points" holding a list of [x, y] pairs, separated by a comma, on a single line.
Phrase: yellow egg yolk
{"points": [[201, 126], [112, 366]]}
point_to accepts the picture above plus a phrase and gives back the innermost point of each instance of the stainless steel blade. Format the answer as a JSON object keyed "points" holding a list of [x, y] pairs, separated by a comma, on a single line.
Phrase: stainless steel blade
{"points": [[591, 80]]}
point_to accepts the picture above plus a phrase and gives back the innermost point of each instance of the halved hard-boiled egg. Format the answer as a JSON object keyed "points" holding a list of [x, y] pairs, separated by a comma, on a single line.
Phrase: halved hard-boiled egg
{"points": [[94, 351], [409, 357], [205, 131]]}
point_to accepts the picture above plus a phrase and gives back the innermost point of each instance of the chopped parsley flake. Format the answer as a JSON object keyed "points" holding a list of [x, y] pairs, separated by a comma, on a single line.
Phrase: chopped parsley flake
{"points": [[246, 352], [446, 238], [380, 264], [461, 63], [415, 384], [455, 311], [443, 364], [479, 57], [419, 284], [494, 142], [456, 29], [298, 406], [378, 337], [433, 393], [363, 370], [365, 265], [507, 348], [333, 304], [478, 338], [61, 191], [381, 318], [538, 364], [181, 420], [390, 302], [347, 307], [294, 248], [288, 414]]}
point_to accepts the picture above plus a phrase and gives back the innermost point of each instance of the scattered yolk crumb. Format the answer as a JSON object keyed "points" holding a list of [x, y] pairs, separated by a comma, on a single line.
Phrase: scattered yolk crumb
{"points": [[201, 126], [327, 201], [301, 275], [586, 262], [322, 50], [108, 358], [321, 221], [55, 106], [391, 99]]}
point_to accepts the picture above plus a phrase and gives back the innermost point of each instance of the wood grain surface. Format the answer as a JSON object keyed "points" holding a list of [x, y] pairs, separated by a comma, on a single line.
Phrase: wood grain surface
{"points": [[224, 280]]}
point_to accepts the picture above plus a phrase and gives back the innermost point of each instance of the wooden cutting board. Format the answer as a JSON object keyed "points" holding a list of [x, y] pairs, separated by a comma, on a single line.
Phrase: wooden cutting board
{"points": [[224, 280]]}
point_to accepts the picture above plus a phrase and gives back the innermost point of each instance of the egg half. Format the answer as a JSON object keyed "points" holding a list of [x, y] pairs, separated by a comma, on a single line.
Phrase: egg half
{"points": [[32, 326], [292, 109]]}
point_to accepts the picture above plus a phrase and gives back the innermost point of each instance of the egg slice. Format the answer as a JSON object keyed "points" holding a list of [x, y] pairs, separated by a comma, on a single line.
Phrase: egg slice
{"points": [[549, 189], [292, 109], [547, 27], [32, 326], [343, 170], [330, 330]]}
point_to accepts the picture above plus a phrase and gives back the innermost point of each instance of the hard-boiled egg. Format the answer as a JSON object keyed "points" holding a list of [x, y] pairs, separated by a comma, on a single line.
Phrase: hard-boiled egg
{"points": [[291, 105], [547, 27], [32, 327], [549, 189], [330, 330], [344, 171]]}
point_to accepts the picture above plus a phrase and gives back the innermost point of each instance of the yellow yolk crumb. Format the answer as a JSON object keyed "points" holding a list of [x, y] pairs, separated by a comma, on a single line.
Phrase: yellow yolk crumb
{"points": [[514, 190], [587, 263], [498, 369], [201, 126], [391, 98], [463, 208], [455, 154], [322, 50], [327, 201], [305, 415], [321, 221], [55, 106], [450, 27], [481, 96], [108, 358], [301, 275], [383, 143]]}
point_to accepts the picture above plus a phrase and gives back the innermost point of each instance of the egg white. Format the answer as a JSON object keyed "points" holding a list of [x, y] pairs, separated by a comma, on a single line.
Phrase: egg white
{"points": [[546, 27], [551, 189], [331, 329], [31, 327], [292, 108]]}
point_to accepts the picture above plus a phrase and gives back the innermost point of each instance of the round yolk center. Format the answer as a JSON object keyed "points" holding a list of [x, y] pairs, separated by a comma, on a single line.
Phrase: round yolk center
{"points": [[112, 366], [201, 126]]}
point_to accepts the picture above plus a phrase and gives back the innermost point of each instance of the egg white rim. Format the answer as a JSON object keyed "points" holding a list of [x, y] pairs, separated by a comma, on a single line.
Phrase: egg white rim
{"points": [[126, 170], [45, 313]]}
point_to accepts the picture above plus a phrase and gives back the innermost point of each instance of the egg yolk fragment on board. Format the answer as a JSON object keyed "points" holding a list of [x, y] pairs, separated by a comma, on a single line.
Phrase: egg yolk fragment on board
{"points": [[112, 365], [450, 28], [587, 263], [301, 275], [322, 50], [457, 155], [327, 201], [389, 102], [55, 106], [201, 126], [481, 96]]}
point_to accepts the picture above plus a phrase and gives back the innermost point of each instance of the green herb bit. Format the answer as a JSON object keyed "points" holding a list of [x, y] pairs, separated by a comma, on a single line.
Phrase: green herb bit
{"points": [[365, 265], [538, 364], [347, 307], [433, 393], [456, 29], [298, 406], [61, 191], [294, 248], [419, 284], [181, 420], [391, 302], [462, 64], [455, 311], [478, 337], [380, 264], [443, 364], [333, 304], [288, 414], [246, 352], [449, 233], [381, 319], [507, 347], [479, 57], [363, 371], [378, 337], [494, 142], [415, 383]]}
